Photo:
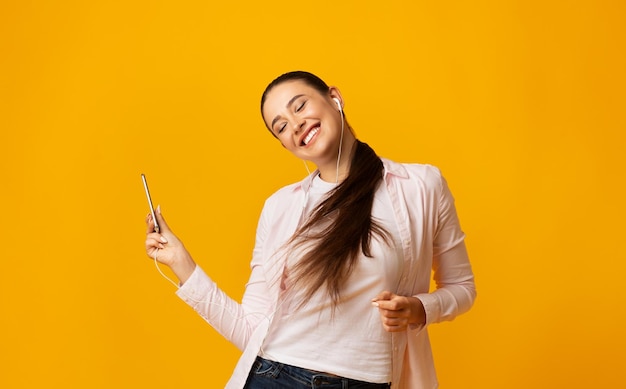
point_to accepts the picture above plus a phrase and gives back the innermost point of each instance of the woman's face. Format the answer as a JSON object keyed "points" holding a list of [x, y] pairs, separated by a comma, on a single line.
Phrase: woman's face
{"points": [[306, 123]]}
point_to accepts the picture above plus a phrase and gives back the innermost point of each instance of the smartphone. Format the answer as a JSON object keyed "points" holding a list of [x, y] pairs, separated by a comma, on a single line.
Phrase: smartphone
{"points": [[145, 186]]}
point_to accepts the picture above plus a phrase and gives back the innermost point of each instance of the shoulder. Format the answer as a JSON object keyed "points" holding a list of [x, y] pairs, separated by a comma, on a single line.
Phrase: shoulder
{"points": [[284, 196], [286, 191], [424, 174]]}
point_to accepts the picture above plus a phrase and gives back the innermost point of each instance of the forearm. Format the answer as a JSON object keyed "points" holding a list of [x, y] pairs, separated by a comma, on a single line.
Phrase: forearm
{"points": [[224, 314]]}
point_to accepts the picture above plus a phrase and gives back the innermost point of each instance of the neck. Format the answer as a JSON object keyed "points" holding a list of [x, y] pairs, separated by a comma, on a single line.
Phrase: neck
{"points": [[333, 172]]}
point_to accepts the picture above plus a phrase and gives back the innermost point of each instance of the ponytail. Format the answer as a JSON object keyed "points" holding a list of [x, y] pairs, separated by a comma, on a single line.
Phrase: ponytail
{"points": [[336, 246]]}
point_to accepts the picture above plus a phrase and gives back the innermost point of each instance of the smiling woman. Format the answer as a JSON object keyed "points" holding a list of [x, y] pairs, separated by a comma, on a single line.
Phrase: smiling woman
{"points": [[309, 103], [339, 288]]}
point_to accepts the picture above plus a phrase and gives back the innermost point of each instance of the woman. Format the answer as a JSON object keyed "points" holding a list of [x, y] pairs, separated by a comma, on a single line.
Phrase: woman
{"points": [[338, 294]]}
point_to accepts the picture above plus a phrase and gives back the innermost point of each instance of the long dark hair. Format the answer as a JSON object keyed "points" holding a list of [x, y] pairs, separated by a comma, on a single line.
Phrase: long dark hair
{"points": [[341, 226]]}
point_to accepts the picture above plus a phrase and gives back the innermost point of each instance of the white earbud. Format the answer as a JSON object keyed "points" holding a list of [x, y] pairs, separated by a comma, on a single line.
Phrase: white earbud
{"points": [[338, 103]]}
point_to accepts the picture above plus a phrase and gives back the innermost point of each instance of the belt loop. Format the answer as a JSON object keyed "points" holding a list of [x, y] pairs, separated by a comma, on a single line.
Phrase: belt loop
{"points": [[277, 368]]}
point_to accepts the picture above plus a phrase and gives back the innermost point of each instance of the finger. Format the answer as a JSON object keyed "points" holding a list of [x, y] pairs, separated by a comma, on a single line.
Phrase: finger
{"points": [[157, 236], [394, 328], [390, 305], [398, 323], [392, 314], [395, 320], [149, 224], [155, 240]]}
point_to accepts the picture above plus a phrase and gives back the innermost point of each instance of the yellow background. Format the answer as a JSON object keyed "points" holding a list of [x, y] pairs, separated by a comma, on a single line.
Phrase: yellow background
{"points": [[520, 103]]}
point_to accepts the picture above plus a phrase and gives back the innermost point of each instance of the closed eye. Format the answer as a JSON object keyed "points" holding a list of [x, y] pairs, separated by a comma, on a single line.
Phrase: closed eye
{"points": [[300, 106]]}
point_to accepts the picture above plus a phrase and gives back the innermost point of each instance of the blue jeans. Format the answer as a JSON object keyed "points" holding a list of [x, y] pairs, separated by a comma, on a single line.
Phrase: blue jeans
{"points": [[275, 375]]}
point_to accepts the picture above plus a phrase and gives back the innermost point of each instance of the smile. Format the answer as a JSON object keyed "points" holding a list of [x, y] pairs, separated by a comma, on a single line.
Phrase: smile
{"points": [[310, 136]]}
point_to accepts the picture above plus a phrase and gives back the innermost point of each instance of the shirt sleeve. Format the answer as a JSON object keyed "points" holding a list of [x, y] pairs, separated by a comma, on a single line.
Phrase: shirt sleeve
{"points": [[235, 321], [455, 289]]}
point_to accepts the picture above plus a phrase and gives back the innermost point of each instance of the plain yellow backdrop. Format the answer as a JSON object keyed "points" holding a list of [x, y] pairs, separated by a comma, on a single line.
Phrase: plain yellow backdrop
{"points": [[520, 103]]}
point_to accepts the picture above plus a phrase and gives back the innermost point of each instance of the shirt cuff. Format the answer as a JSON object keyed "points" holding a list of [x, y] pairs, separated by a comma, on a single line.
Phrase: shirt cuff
{"points": [[430, 307], [196, 288]]}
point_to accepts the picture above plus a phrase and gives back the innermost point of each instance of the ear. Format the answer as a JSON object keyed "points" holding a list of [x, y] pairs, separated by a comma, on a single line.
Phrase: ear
{"points": [[334, 93]]}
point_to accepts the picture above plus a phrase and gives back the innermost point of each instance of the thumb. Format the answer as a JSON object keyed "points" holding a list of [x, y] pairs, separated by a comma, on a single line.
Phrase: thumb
{"points": [[384, 295], [162, 224]]}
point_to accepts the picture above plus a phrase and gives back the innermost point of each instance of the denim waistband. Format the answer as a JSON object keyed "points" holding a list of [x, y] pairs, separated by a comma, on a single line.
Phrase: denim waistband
{"points": [[275, 374]]}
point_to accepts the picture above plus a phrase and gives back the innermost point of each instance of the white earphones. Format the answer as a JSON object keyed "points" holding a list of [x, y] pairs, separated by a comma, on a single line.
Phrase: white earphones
{"points": [[338, 103], [340, 139]]}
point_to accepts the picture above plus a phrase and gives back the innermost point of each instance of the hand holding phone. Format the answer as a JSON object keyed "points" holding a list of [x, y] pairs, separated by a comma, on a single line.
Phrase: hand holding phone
{"points": [[145, 186]]}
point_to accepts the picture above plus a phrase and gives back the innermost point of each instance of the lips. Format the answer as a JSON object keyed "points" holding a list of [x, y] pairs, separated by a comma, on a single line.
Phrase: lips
{"points": [[310, 134]]}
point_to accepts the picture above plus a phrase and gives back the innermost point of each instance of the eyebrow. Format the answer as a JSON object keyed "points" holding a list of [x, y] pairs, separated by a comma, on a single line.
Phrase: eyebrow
{"points": [[287, 106]]}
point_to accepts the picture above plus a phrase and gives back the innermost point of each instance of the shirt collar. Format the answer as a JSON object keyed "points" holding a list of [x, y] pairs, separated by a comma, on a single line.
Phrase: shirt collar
{"points": [[394, 169], [305, 184], [390, 168]]}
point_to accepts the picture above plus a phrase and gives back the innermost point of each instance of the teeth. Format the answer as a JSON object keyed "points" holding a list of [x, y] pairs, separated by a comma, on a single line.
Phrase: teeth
{"points": [[310, 135]]}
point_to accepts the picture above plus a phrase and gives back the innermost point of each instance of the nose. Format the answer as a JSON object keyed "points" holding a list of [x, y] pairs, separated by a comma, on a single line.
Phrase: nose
{"points": [[298, 125]]}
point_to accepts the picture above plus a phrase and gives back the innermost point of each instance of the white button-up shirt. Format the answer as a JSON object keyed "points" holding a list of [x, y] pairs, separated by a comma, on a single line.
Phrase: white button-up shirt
{"points": [[432, 240]]}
